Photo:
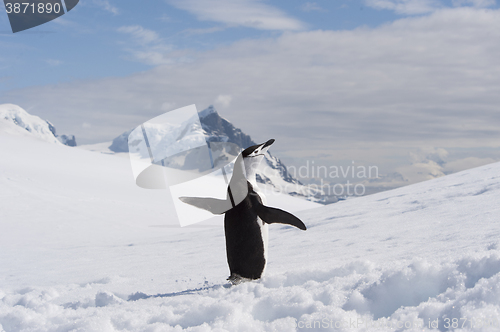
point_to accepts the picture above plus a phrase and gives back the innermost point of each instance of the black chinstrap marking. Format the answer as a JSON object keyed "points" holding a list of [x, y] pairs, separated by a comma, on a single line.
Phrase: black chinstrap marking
{"points": [[252, 148]]}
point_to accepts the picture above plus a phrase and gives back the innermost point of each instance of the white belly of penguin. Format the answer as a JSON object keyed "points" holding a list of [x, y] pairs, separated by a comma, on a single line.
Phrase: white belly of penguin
{"points": [[264, 228], [264, 233]]}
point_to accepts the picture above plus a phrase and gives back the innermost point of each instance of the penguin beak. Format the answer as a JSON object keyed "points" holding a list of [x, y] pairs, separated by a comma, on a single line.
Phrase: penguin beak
{"points": [[265, 146], [268, 143]]}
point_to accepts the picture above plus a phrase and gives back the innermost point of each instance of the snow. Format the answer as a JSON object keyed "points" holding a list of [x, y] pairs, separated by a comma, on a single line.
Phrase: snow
{"points": [[102, 148], [16, 121], [82, 248], [207, 111]]}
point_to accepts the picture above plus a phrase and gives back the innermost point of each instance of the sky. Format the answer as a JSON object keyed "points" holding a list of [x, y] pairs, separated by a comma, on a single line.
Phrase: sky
{"points": [[411, 86]]}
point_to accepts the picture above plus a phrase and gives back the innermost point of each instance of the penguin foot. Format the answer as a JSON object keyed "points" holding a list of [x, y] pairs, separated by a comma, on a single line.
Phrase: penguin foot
{"points": [[236, 279]]}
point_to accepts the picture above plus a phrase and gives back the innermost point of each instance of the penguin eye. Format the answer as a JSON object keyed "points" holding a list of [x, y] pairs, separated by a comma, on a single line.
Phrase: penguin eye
{"points": [[249, 151]]}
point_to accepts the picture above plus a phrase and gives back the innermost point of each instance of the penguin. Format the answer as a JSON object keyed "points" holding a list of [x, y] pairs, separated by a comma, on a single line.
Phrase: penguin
{"points": [[246, 217]]}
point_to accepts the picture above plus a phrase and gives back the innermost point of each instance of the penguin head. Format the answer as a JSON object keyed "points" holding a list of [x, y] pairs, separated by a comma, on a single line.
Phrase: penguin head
{"points": [[257, 150], [253, 155]]}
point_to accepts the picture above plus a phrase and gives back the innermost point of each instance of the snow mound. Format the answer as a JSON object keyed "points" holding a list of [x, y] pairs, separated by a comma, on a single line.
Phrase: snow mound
{"points": [[15, 120], [359, 296]]}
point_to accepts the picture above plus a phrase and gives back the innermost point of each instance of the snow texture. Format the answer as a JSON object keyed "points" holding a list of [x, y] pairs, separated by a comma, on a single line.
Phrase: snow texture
{"points": [[17, 121], [84, 249]]}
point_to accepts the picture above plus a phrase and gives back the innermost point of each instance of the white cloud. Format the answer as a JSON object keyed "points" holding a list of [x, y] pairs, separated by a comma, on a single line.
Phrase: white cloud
{"points": [[414, 7], [53, 62], [223, 100], [167, 106], [409, 7], [419, 172], [107, 6], [421, 81], [428, 163], [474, 3], [203, 31], [311, 6], [426, 154], [140, 34], [247, 13], [466, 163], [165, 18], [149, 47]]}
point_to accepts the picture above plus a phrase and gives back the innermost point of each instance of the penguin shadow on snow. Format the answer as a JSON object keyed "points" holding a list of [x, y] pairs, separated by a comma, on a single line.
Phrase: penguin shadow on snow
{"points": [[143, 296], [246, 217]]}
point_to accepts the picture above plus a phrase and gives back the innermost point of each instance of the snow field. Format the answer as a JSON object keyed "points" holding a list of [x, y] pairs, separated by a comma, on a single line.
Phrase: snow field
{"points": [[83, 249]]}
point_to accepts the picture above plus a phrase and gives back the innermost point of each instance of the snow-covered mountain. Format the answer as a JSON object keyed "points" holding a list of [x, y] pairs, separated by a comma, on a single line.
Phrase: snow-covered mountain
{"points": [[272, 172], [82, 248], [68, 140], [15, 120]]}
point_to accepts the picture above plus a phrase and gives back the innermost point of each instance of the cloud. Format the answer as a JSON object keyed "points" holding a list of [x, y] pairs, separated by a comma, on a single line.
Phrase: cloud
{"points": [[247, 13], [367, 93], [148, 47], [426, 164], [311, 6], [466, 163], [415, 7], [429, 163], [140, 34], [53, 62], [409, 7], [419, 172], [474, 3], [107, 6], [167, 106], [223, 100], [203, 31], [424, 155]]}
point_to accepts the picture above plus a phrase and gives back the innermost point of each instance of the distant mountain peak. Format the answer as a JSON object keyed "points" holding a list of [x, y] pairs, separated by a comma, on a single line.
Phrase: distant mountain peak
{"points": [[207, 111], [17, 121], [21, 122], [218, 129]]}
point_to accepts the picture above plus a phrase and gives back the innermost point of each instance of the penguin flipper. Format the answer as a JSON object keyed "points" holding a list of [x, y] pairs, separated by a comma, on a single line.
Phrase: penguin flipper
{"points": [[214, 205], [272, 216]]}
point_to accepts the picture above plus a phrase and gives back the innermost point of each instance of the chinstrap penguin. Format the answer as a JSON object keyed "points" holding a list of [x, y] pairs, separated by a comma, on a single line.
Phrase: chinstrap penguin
{"points": [[246, 217]]}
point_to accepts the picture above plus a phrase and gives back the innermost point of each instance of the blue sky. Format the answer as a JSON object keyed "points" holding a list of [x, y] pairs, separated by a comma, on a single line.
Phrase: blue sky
{"points": [[376, 81], [91, 41]]}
